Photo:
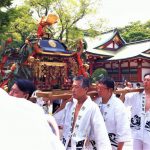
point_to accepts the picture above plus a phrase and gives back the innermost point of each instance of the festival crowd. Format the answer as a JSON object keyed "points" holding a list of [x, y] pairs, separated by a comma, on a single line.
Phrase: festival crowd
{"points": [[80, 122]]}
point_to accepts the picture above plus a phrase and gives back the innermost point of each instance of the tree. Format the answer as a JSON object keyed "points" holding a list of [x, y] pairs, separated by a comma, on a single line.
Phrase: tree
{"points": [[69, 13], [41, 7], [16, 22], [98, 74], [136, 31], [4, 17], [22, 23], [5, 3]]}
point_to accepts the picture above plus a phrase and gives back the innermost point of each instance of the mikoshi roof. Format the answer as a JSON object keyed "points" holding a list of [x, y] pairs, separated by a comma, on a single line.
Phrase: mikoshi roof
{"points": [[50, 45], [54, 47]]}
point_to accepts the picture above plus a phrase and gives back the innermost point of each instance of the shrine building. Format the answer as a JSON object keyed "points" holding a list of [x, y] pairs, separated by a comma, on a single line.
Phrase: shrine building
{"points": [[122, 60]]}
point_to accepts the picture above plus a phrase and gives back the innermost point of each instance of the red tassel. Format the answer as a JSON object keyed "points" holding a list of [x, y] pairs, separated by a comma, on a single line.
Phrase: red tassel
{"points": [[8, 41], [36, 48], [81, 68], [40, 31], [4, 59], [4, 83]]}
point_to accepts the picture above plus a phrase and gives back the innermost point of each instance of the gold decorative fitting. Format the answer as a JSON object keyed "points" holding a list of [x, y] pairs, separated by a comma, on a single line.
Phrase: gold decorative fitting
{"points": [[52, 43]]}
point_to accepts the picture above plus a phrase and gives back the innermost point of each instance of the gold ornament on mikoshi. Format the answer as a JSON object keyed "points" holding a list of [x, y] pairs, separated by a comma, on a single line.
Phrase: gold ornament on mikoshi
{"points": [[13, 67], [52, 43], [26, 41], [5, 88], [86, 66], [31, 59], [51, 19]]}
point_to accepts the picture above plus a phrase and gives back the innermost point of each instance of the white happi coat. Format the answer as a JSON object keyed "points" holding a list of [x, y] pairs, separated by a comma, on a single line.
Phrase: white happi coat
{"points": [[89, 125], [116, 120], [140, 120], [24, 126]]}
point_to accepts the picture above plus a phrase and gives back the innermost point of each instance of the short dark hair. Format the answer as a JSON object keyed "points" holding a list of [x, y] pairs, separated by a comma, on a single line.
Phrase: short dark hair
{"points": [[146, 74], [138, 84], [108, 82], [85, 81], [26, 86]]}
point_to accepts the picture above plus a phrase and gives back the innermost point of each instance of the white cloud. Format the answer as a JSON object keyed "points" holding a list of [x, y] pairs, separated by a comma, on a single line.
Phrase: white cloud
{"points": [[121, 12]]}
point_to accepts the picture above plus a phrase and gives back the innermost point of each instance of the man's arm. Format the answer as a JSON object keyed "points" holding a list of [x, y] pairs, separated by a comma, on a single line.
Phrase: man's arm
{"points": [[120, 145], [59, 114], [123, 92], [63, 104], [122, 96]]}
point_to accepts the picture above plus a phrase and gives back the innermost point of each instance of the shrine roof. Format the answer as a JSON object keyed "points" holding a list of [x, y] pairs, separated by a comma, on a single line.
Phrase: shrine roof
{"points": [[125, 51], [99, 40], [145, 55], [101, 52], [95, 42], [50, 45], [132, 50]]}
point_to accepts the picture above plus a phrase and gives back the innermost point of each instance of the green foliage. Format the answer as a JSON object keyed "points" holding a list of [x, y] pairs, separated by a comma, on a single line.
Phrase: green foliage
{"points": [[22, 23], [70, 12], [4, 23], [4, 16], [5, 3], [41, 7], [98, 73], [4, 20], [136, 31], [18, 22]]}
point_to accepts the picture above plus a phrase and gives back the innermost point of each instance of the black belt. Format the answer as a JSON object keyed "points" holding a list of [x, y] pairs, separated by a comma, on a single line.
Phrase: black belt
{"points": [[79, 144]]}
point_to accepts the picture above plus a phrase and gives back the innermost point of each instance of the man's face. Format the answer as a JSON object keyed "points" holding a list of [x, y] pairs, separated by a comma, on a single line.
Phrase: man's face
{"points": [[102, 90], [16, 92], [77, 90], [146, 82]]}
